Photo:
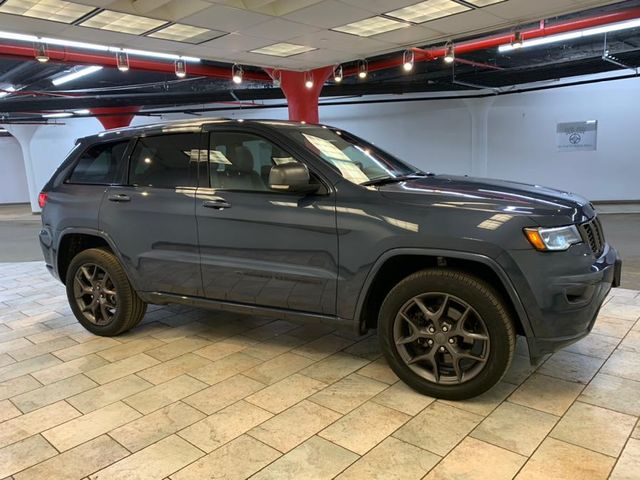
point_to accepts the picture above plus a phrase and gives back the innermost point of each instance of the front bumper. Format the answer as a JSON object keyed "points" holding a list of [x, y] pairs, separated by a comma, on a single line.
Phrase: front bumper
{"points": [[561, 300]]}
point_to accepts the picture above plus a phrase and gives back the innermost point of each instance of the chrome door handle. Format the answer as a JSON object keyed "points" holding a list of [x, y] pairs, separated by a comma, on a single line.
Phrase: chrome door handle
{"points": [[218, 204], [119, 197]]}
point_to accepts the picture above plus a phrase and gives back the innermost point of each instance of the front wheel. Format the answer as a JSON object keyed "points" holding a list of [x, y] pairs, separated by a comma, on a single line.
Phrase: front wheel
{"points": [[446, 334], [100, 295]]}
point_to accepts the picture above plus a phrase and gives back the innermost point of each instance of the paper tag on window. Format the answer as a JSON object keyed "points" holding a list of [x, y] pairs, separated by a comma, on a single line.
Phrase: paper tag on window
{"points": [[326, 148], [216, 156], [283, 160]]}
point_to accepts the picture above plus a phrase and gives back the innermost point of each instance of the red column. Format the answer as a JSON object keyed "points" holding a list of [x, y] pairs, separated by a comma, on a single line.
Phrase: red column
{"points": [[115, 117], [302, 101]]}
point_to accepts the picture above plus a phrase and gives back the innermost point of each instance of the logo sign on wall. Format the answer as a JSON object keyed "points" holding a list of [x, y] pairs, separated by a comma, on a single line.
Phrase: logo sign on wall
{"points": [[578, 136]]}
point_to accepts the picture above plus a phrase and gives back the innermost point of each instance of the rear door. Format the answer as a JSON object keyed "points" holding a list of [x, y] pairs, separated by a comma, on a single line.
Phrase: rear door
{"points": [[151, 219], [259, 246]]}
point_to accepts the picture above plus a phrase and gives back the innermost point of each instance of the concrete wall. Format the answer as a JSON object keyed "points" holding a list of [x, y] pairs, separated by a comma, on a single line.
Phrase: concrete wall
{"points": [[13, 177], [511, 137]]}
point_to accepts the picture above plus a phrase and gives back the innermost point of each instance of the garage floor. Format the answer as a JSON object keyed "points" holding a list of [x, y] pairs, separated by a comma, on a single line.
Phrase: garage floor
{"points": [[192, 394]]}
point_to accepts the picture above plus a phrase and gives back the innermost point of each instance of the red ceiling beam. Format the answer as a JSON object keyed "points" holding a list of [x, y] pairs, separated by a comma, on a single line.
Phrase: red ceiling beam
{"points": [[421, 55], [135, 63]]}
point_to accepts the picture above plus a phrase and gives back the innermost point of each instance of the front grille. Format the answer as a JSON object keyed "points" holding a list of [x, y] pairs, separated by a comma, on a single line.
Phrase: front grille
{"points": [[593, 235]]}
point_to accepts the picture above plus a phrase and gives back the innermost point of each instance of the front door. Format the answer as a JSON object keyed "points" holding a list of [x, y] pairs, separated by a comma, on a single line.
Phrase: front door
{"points": [[258, 246], [152, 218]]}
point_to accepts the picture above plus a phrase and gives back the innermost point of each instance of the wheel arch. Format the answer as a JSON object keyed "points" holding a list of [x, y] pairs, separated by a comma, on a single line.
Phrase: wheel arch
{"points": [[394, 265], [72, 241]]}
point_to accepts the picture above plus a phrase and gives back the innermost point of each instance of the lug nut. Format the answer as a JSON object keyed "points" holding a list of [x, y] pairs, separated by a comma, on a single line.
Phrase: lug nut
{"points": [[442, 349], [429, 342], [432, 330], [452, 340], [445, 329]]}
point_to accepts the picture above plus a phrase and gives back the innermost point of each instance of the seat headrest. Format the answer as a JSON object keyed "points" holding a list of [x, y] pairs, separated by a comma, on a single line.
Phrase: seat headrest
{"points": [[242, 159]]}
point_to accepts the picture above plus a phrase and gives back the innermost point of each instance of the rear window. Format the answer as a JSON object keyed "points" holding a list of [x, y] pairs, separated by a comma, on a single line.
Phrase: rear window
{"points": [[100, 164]]}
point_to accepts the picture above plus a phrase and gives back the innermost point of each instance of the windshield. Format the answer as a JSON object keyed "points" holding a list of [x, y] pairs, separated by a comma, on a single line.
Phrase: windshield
{"points": [[356, 160]]}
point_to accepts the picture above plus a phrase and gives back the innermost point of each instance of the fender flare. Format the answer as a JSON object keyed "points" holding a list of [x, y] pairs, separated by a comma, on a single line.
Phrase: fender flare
{"points": [[474, 257], [94, 233]]}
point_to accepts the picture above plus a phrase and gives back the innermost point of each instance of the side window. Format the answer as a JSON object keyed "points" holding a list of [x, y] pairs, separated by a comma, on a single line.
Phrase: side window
{"points": [[243, 161], [100, 164], [164, 161]]}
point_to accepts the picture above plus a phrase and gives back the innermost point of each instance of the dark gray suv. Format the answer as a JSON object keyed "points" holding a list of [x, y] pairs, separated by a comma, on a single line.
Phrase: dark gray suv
{"points": [[307, 222]]}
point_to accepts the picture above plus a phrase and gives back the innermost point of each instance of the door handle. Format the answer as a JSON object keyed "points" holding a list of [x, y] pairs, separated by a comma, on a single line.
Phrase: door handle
{"points": [[119, 197], [217, 204]]}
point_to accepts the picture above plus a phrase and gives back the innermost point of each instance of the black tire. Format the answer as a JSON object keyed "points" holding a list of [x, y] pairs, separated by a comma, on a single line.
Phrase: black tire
{"points": [[488, 313], [129, 308]]}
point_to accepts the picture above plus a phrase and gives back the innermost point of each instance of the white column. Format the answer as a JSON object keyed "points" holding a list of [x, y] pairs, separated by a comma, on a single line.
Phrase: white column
{"points": [[479, 109], [23, 134]]}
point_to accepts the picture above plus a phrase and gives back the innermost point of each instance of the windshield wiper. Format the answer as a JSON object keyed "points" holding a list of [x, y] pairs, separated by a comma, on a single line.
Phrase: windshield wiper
{"points": [[402, 178]]}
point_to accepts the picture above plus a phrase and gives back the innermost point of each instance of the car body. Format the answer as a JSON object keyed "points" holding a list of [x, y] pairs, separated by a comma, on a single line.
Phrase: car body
{"points": [[329, 254]]}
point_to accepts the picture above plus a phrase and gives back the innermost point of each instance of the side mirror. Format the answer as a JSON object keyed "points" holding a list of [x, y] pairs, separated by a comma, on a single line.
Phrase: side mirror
{"points": [[291, 177]]}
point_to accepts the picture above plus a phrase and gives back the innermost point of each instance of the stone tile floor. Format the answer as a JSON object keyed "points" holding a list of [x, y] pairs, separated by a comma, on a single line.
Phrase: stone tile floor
{"points": [[192, 394]]}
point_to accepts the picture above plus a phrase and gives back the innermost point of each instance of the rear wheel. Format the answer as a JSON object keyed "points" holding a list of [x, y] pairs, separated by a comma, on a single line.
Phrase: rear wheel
{"points": [[100, 294], [446, 334]]}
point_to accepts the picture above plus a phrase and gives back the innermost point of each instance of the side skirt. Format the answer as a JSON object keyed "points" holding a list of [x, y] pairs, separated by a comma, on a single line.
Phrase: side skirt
{"points": [[256, 310]]}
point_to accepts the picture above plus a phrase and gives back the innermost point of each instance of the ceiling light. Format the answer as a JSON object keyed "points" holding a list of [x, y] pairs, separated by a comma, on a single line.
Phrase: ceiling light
{"points": [[122, 22], [308, 82], [74, 75], [57, 115], [54, 10], [517, 40], [186, 33], [429, 10], [363, 69], [371, 26], [40, 50], [181, 68], [237, 73], [338, 74], [122, 61], [92, 46], [282, 49], [7, 91], [408, 60], [563, 37], [450, 54], [83, 111]]}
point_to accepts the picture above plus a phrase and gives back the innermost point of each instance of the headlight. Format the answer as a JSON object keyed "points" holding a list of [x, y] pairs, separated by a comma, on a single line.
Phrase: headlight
{"points": [[553, 239]]}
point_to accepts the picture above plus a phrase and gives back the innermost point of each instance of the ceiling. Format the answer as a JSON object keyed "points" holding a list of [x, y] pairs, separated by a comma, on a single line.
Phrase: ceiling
{"points": [[233, 30]]}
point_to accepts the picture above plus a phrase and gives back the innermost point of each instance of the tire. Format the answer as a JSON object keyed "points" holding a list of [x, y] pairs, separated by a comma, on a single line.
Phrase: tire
{"points": [[107, 304], [474, 327]]}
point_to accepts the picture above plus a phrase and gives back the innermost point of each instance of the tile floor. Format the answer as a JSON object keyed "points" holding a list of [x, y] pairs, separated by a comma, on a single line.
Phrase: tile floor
{"points": [[192, 394]]}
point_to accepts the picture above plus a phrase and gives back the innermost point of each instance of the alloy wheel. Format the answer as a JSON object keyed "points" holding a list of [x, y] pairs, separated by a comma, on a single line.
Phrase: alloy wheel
{"points": [[95, 294], [442, 338]]}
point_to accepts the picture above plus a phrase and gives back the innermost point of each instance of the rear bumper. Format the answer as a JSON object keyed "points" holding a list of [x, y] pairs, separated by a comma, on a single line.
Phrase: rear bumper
{"points": [[561, 300]]}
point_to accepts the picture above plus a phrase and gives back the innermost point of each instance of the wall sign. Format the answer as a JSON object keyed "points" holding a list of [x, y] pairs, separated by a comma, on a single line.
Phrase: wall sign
{"points": [[578, 136]]}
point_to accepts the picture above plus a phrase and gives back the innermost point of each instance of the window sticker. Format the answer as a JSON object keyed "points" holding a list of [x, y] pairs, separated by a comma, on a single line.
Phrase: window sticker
{"points": [[350, 171], [215, 156], [326, 148]]}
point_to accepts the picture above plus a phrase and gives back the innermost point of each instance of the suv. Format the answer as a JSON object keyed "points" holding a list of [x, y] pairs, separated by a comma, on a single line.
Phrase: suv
{"points": [[308, 222]]}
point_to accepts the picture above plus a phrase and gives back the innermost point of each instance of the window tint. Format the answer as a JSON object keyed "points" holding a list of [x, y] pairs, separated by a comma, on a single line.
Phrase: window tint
{"points": [[165, 161], [243, 161], [100, 164]]}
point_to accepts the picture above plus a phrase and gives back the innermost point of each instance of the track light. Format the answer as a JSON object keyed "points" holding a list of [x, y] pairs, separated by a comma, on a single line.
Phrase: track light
{"points": [[450, 55], [363, 69], [122, 60], [337, 74], [517, 40], [308, 80], [40, 50], [236, 73], [408, 60], [276, 76], [75, 74], [181, 68]]}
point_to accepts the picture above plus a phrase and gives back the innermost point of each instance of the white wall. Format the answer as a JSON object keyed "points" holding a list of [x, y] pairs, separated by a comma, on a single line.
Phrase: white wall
{"points": [[13, 177], [511, 137]]}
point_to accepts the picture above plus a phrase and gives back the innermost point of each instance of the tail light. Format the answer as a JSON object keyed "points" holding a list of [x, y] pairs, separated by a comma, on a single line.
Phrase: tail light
{"points": [[42, 199]]}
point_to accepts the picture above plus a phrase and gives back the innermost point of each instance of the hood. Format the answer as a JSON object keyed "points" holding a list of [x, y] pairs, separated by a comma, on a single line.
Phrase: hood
{"points": [[496, 195]]}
